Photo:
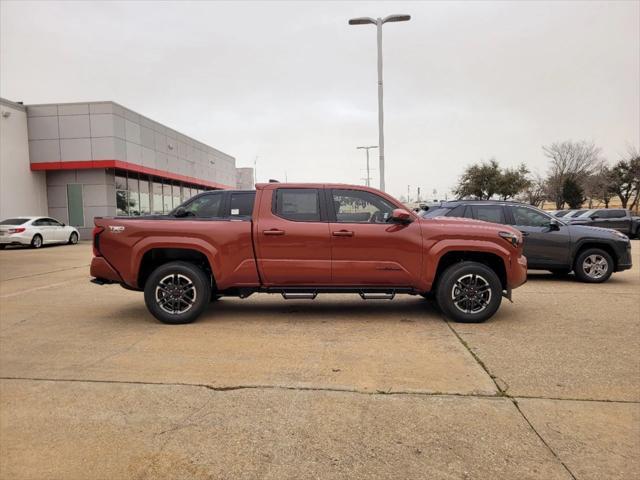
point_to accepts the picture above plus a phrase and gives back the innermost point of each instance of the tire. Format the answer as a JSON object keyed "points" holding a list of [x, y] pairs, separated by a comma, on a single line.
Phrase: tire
{"points": [[560, 272], [598, 273], [2, 247], [478, 305], [190, 302], [36, 241], [73, 238]]}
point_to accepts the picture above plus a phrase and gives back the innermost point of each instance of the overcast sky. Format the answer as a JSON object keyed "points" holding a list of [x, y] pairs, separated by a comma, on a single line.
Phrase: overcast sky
{"points": [[294, 85]]}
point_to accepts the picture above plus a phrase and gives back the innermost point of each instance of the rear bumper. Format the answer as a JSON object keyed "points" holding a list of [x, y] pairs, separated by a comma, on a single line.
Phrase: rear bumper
{"points": [[517, 274], [103, 272], [16, 239]]}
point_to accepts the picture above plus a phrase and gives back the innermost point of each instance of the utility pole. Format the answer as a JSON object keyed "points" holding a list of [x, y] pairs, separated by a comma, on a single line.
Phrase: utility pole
{"points": [[378, 22], [368, 179], [255, 170]]}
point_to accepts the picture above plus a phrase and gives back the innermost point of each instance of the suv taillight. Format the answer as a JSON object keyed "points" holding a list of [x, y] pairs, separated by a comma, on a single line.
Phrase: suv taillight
{"points": [[96, 240]]}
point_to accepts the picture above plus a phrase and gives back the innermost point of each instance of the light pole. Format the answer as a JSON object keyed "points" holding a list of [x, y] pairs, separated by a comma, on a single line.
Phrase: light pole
{"points": [[378, 22], [368, 184]]}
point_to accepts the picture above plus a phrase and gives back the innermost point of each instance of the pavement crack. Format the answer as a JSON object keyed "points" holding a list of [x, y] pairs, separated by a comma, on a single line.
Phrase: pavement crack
{"points": [[503, 393], [231, 388]]}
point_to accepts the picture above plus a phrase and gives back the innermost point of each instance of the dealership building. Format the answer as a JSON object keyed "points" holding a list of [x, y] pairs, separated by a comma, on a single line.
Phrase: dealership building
{"points": [[77, 161]]}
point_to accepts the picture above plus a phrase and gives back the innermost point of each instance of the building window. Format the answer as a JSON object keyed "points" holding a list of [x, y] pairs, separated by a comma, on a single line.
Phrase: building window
{"points": [[176, 194], [141, 195], [122, 197], [157, 198], [74, 205], [145, 206], [134, 194], [167, 202]]}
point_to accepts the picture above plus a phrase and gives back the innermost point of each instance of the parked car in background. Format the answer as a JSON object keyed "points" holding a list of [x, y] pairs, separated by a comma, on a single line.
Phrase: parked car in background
{"points": [[573, 214], [36, 232], [550, 243], [618, 219], [559, 213]]}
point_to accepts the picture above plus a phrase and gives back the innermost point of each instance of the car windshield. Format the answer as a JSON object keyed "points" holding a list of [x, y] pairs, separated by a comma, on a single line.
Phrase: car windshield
{"points": [[561, 213], [14, 221], [585, 213], [434, 212], [576, 213]]}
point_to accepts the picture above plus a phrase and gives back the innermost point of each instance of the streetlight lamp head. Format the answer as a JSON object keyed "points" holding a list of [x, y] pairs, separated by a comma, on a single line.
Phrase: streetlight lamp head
{"points": [[396, 18], [361, 21]]}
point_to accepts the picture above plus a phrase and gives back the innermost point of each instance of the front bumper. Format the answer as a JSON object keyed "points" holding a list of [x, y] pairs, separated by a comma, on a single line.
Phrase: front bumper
{"points": [[624, 261], [517, 274]]}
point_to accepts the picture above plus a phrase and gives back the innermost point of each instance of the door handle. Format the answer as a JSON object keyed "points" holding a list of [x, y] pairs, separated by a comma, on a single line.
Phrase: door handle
{"points": [[524, 234], [343, 233], [273, 231]]}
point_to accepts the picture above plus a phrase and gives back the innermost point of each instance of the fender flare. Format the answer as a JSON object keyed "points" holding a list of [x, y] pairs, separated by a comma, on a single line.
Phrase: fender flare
{"points": [[443, 247], [186, 243]]}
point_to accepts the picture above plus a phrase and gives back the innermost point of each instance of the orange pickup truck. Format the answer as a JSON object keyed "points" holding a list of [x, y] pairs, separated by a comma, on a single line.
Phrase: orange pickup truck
{"points": [[300, 240]]}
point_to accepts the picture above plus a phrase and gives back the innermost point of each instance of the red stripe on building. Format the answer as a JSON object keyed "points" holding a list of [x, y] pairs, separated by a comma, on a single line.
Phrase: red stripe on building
{"points": [[131, 167]]}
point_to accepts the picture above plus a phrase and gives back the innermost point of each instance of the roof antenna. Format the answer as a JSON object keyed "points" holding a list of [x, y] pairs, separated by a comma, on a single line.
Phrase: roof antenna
{"points": [[272, 180]]}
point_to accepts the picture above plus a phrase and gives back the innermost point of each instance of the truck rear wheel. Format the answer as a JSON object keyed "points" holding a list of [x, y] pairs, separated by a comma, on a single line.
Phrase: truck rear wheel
{"points": [[177, 292], [469, 292]]}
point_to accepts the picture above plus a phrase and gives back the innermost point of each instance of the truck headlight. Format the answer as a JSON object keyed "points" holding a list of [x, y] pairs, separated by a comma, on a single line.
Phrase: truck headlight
{"points": [[512, 238]]}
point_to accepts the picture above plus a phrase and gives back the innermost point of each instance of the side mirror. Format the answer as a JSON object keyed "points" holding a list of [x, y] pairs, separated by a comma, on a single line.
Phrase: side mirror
{"points": [[594, 217], [400, 215], [554, 224], [180, 212]]}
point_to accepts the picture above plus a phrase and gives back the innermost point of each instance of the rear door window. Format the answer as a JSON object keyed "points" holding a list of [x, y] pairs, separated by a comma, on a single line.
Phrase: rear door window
{"points": [[488, 213], [298, 204], [206, 206], [457, 211], [241, 204]]}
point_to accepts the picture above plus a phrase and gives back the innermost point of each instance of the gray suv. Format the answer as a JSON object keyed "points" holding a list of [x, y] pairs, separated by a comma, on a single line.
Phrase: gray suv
{"points": [[549, 243]]}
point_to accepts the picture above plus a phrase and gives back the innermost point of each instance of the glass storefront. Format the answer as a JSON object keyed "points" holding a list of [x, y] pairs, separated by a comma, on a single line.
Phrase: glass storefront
{"points": [[138, 194]]}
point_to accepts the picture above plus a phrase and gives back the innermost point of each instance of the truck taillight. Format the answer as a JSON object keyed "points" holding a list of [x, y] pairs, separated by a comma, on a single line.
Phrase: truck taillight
{"points": [[16, 230], [96, 240]]}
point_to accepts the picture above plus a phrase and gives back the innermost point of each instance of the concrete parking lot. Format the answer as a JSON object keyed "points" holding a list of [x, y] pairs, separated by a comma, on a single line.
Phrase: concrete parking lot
{"points": [[94, 387]]}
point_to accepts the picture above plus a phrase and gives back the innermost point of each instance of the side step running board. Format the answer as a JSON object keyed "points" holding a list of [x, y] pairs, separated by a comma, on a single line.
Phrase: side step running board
{"points": [[299, 295], [377, 295]]}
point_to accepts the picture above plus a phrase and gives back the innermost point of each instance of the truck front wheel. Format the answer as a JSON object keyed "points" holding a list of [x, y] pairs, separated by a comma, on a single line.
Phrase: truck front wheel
{"points": [[177, 292], [469, 292]]}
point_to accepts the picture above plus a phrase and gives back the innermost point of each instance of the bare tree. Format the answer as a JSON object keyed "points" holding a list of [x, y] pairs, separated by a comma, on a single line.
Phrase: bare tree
{"points": [[569, 160], [599, 186], [535, 193]]}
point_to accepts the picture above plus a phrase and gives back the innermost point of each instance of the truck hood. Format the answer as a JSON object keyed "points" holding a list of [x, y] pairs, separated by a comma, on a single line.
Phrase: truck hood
{"points": [[470, 226]]}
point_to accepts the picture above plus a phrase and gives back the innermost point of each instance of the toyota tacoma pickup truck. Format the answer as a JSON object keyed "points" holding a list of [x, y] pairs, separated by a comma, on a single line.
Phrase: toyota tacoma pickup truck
{"points": [[300, 240]]}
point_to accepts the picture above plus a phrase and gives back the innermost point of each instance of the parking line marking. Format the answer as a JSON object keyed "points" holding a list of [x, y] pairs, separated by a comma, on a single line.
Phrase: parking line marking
{"points": [[51, 285]]}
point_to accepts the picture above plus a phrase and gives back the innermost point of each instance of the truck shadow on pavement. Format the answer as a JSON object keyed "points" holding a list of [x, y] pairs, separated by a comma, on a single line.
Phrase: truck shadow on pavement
{"points": [[271, 308]]}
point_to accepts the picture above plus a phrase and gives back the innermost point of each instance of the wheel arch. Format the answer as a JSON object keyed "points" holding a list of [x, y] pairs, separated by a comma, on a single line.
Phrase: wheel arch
{"points": [[492, 260], [156, 256], [586, 244]]}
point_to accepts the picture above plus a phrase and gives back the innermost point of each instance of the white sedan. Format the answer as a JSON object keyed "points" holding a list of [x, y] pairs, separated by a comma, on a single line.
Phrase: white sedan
{"points": [[36, 231]]}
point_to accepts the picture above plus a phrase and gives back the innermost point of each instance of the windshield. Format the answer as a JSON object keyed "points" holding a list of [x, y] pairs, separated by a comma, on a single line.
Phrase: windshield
{"points": [[584, 213], [14, 221], [576, 213], [561, 213]]}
